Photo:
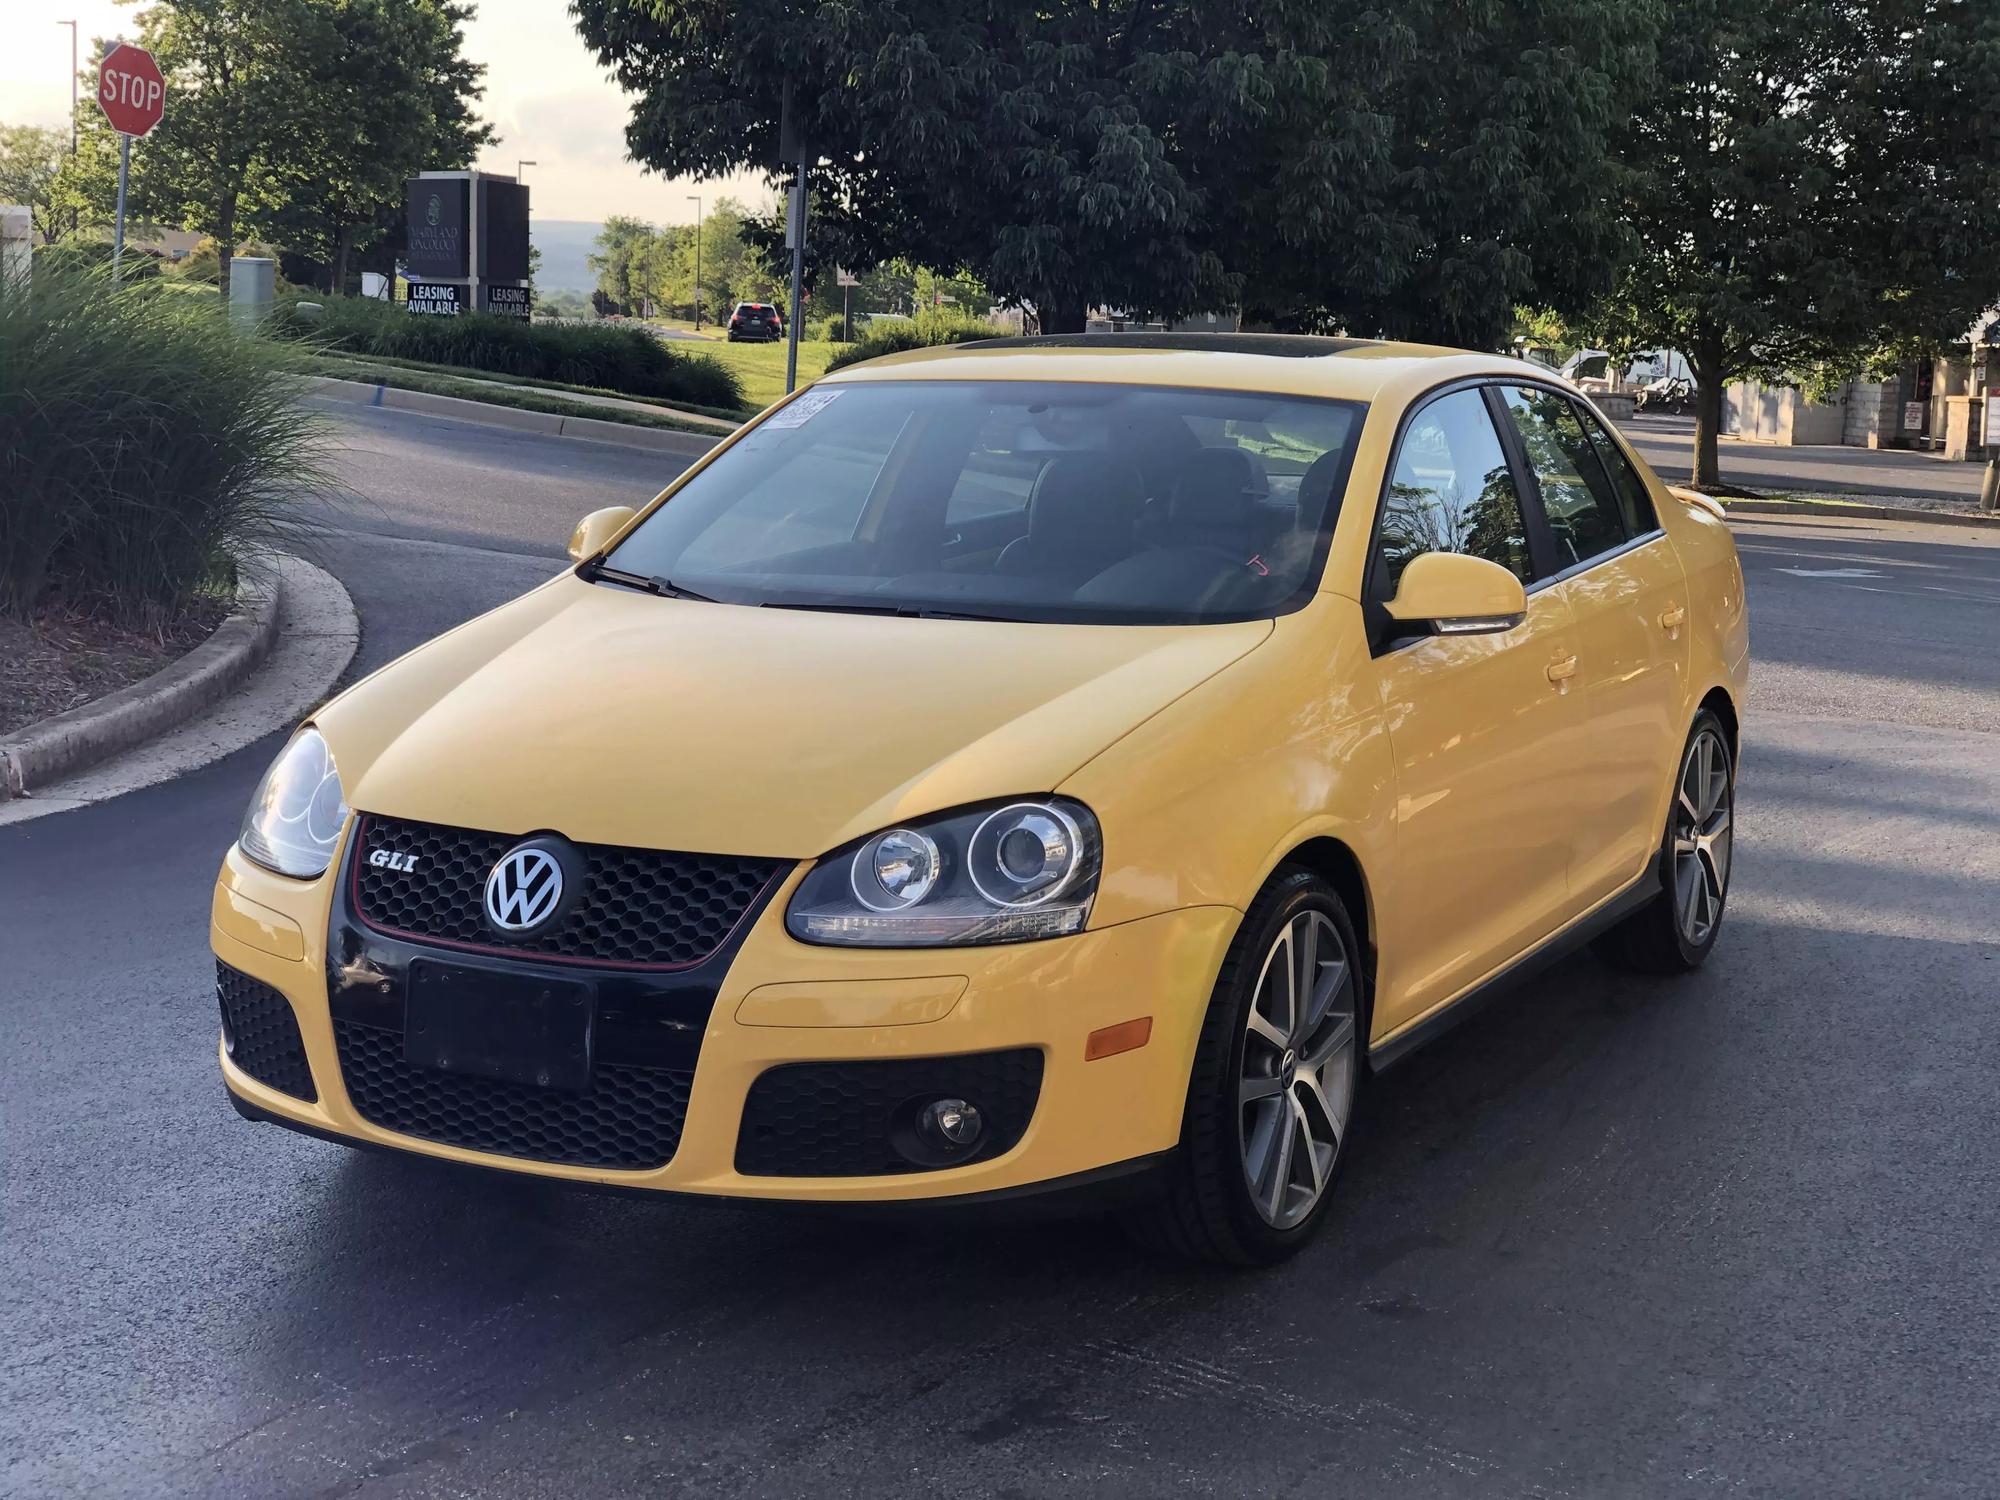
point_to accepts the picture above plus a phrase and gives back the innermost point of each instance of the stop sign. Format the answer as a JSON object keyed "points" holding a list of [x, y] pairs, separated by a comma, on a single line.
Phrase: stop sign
{"points": [[130, 89]]}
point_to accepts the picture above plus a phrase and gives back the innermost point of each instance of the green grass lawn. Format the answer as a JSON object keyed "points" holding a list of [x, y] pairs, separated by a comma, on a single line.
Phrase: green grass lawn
{"points": [[761, 367]]}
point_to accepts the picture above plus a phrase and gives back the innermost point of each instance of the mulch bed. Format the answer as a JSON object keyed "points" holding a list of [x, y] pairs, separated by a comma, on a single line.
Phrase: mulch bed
{"points": [[62, 656]]}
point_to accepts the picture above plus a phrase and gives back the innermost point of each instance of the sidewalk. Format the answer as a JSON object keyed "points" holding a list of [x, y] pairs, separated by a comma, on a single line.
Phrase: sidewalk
{"points": [[1887, 475]]}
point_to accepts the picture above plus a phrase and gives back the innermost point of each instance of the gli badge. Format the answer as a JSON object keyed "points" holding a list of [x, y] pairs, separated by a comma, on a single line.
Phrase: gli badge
{"points": [[385, 859]]}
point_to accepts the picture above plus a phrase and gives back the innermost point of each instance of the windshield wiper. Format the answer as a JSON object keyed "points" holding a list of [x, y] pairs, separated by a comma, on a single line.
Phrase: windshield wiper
{"points": [[899, 611], [664, 588]]}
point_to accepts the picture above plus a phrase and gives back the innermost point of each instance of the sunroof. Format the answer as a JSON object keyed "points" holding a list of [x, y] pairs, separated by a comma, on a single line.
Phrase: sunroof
{"points": [[1283, 345]]}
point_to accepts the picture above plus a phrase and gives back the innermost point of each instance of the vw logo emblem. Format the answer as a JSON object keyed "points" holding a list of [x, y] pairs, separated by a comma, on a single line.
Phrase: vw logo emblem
{"points": [[524, 889]]}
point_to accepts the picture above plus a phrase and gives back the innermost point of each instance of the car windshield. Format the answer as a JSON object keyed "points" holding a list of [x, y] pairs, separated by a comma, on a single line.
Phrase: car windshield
{"points": [[1013, 500]]}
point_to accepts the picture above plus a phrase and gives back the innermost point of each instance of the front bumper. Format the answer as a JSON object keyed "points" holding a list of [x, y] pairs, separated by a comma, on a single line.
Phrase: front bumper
{"points": [[781, 1002]]}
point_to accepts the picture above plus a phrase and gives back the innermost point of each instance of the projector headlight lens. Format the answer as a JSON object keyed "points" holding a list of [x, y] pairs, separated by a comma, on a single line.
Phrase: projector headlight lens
{"points": [[1000, 873]]}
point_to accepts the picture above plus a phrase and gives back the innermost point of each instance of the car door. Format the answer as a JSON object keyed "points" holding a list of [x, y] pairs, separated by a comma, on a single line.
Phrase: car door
{"points": [[1623, 582], [1484, 729]]}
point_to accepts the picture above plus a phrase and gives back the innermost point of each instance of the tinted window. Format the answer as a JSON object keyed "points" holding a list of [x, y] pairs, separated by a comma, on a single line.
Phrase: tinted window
{"points": [[1451, 491], [1583, 513], [1635, 502], [1022, 500]]}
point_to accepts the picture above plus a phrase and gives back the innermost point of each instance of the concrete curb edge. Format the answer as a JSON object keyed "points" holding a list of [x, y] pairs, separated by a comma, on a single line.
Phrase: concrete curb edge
{"points": [[53, 748], [1857, 512], [548, 424]]}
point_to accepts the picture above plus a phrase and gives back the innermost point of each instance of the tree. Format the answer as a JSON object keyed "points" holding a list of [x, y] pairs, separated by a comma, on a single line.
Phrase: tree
{"points": [[1414, 169], [1809, 182], [294, 119], [618, 261], [392, 97], [30, 171]]}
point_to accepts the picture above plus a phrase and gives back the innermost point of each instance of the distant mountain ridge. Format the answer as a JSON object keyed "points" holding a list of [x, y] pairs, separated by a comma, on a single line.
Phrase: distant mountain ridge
{"points": [[565, 245]]}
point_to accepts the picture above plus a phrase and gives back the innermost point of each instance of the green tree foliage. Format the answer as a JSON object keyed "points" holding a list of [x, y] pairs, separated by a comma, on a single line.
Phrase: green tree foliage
{"points": [[642, 268], [296, 120], [394, 96], [1417, 168], [1809, 182], [31, 161]]}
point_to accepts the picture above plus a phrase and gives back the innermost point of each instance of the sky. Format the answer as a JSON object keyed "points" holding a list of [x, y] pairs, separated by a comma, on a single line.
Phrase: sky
{"points": [[546, 98]]}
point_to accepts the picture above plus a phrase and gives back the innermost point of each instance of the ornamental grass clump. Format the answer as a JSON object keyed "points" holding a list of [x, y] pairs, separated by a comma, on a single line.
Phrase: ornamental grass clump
{"points": [[146, 447]]}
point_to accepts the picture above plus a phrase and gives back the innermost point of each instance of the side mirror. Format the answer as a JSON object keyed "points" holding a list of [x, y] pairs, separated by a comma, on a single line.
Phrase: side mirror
{"points": [[1459, 595], [597, 528]]}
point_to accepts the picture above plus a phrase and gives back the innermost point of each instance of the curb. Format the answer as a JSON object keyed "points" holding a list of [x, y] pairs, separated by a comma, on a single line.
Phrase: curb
{"points": [[51, 749], [1857, 512], [548, 424]]}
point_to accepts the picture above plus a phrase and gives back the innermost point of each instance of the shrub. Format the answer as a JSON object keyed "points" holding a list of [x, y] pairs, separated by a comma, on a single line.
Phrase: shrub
{"points": [[144, 447], [77, 256], [928, 328], [600, 355], [827, 330]]}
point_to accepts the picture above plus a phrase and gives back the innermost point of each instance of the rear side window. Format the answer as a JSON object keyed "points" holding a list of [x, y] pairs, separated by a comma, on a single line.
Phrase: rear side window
{"points": [[1635, 502], [1584, 513], [1451, 491]]}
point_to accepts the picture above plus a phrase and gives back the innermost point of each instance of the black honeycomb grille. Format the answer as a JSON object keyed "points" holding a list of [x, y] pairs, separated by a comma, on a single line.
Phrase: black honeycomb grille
{"points": [[630, 1119], [262, 1034], [843, 1119], [646, 907]]}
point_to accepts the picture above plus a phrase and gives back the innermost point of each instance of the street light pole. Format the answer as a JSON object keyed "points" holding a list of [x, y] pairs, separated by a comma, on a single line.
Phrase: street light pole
{"points": [[520, 168], [695, 199], [72, 84]]}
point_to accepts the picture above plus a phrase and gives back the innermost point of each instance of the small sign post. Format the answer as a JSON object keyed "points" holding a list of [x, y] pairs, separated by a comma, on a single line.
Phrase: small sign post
{"points": [[847, 281], [133, 96]]}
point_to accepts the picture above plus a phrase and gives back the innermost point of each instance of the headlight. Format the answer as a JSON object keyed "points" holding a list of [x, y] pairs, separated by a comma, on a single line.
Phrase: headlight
{"points": [[296, 816], [1001, 873]]}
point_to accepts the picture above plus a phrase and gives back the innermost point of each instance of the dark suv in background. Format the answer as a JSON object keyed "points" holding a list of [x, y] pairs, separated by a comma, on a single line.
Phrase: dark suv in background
{"points": [[755, 320]]}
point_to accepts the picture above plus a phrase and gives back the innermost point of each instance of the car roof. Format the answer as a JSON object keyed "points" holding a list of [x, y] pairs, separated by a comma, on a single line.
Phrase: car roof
{"points": [[1282, 363]]}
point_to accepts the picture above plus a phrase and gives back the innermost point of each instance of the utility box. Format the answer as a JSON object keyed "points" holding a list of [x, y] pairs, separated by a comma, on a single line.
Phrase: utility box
{"points": [[253, 285], [17, 242], [1962, 428]]}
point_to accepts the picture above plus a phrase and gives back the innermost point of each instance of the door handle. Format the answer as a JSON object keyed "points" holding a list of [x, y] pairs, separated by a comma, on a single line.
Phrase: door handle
{"points": [[1560, 673], [1672, 621]]}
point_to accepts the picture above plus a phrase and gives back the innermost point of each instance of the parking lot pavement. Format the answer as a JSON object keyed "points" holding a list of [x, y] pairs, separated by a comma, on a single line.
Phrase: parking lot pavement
{"points": [[1667, 443], [1613, 1237]]}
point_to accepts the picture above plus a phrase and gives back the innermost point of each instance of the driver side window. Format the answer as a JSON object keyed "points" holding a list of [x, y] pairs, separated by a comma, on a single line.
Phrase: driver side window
{"points": [[1451, 491]]}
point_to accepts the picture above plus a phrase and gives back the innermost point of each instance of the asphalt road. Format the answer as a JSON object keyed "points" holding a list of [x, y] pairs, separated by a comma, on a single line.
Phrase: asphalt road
{"points": [[1668, 445], [1734, 1234]]}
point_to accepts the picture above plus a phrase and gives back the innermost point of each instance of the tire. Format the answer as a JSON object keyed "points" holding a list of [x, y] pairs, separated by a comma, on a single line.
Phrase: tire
{"points": [[1232, 1193], [1676, 931]]}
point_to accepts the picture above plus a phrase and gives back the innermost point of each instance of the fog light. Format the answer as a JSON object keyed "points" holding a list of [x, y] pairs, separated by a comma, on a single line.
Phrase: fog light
{"points": [[951, 1125]]}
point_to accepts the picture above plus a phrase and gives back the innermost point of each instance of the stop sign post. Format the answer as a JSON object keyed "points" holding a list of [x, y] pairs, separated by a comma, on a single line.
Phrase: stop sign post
{"points": [[133, 96]]}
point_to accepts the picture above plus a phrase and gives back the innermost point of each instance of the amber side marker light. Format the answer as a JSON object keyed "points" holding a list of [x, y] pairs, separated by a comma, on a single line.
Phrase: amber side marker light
{"points": [[1126, 1036]]}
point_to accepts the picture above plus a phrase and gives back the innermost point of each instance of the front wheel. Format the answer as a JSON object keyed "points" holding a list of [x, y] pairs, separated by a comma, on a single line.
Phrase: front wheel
{"points": [[1675, 931], [1276, 1076]]}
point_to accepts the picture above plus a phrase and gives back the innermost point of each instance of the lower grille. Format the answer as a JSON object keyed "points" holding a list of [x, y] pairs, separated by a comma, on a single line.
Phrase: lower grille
{"points": [[261, 1034], [843, 1119], [630, 1119]]}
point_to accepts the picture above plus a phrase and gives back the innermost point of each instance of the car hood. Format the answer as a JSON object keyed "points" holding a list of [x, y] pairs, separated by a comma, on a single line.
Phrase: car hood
{"points": [[616, 717]]}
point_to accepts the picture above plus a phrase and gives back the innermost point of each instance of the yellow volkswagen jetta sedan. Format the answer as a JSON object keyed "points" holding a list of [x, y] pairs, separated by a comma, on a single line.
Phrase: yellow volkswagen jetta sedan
{"points": [[1038, 764]]}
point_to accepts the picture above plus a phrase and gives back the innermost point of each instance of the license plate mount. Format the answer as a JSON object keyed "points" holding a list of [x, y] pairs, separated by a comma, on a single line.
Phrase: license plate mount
{"points": [[519, 1028]]}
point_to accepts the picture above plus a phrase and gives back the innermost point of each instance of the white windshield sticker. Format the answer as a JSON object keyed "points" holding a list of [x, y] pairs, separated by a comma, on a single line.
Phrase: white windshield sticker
{"points": [[803, 410]]}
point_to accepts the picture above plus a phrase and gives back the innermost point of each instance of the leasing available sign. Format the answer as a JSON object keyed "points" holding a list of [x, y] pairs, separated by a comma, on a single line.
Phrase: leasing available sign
{"points": [[437, 298]]}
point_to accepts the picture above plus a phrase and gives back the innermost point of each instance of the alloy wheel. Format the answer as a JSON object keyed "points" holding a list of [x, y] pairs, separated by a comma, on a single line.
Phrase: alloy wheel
{"points": [[1299, 1057], [1703, 812]]}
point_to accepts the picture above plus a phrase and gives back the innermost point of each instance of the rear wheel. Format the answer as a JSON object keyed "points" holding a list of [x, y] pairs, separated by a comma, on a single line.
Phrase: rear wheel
{"points": [[1274, 1085], [1674, 932]]}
